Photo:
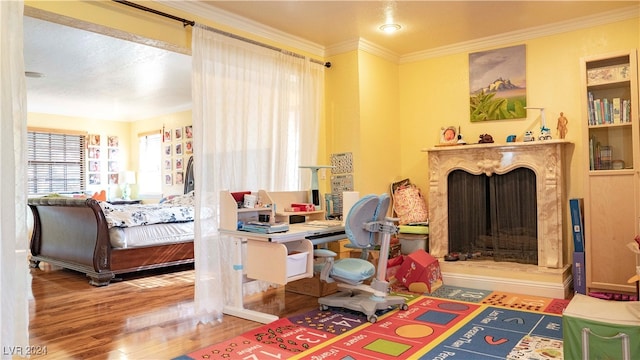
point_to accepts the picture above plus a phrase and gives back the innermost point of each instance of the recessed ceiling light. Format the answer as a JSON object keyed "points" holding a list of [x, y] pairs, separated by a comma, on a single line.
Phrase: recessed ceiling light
{"points": [[390, 28]]}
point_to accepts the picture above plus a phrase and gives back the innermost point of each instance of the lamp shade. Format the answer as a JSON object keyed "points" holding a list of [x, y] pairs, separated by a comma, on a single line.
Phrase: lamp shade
{"points": [[128, 177]]}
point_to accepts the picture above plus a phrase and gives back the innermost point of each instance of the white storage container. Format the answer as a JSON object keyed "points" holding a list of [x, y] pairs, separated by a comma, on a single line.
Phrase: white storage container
{"points": [[297, 263]]}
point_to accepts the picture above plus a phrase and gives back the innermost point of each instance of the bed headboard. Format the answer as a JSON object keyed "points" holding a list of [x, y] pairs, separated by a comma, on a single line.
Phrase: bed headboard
{"points": [[189, 181]]}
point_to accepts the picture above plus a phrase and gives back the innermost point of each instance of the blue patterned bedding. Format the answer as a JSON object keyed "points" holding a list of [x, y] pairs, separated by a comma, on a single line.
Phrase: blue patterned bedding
{"points": [[177, 209]]}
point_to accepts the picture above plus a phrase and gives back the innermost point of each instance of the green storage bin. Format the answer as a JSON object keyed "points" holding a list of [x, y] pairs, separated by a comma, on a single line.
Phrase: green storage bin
{"points": [[595, 329]]}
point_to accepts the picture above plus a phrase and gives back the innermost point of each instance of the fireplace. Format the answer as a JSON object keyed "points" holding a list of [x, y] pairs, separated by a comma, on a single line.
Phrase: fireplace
{"points": [[493, 217], [545, 160]]}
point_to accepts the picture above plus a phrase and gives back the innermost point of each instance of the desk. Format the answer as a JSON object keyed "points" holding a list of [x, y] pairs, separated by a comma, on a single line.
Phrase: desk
{"points": [[266, 260]]}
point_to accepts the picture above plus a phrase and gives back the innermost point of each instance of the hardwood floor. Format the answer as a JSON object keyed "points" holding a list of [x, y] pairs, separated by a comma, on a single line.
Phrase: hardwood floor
{"points": [[148, 317]]}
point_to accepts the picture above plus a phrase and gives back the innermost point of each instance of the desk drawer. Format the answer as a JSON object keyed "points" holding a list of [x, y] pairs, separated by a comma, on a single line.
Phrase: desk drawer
{"points": [[279, 263]]}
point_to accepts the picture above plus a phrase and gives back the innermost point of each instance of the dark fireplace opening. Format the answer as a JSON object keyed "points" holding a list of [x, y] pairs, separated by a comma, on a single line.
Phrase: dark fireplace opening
{"points": [[494, 216]]}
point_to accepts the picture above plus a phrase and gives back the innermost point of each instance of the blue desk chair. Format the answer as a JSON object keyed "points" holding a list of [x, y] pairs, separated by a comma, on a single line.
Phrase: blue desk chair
{"points": [[365, 223]]}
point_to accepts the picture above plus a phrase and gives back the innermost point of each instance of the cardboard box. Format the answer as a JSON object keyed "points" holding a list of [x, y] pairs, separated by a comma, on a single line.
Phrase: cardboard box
{"points": [[420, 272], [311, 286], [339, 246]]}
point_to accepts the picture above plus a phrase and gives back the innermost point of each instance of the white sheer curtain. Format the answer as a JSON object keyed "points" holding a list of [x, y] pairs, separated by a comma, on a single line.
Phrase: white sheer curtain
{"points": [[14, 270], [256, 114]]}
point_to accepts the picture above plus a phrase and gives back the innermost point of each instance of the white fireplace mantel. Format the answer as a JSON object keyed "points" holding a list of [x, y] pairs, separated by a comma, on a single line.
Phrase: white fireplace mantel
{"points": [[544, 158]]}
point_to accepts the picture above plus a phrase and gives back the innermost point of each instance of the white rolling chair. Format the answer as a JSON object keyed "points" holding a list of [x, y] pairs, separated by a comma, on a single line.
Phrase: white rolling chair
{"points": [[365, 222]]}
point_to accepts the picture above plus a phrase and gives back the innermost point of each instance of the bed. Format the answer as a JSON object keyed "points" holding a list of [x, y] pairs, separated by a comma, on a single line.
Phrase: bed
{"points": [[103, 240]]}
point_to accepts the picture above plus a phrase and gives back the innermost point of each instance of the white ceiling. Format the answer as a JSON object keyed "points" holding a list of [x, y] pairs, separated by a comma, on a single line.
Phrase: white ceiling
{"points": [[96, 76]]}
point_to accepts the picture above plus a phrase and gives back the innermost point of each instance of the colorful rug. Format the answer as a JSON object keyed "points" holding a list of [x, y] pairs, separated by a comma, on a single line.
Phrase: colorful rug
{"points": [[451, 323]]}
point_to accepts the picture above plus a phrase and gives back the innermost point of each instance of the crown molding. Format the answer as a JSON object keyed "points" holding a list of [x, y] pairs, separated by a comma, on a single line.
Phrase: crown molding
{"points": [[526, 34], [211, 12], [364, 45]]}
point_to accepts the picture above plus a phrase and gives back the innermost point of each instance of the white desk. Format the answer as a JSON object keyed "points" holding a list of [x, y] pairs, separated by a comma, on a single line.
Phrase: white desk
{"points": [[266, 260]]}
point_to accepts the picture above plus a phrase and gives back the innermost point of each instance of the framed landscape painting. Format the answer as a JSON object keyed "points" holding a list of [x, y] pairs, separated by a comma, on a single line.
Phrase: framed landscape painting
{"points": [[497, 84]]}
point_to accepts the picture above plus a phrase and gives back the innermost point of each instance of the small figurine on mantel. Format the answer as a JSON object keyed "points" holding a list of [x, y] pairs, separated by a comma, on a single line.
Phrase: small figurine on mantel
{"points": [[485, 139], [562, 126]]}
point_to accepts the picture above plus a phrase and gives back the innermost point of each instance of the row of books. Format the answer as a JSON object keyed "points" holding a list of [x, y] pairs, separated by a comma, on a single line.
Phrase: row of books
{"points": [[609, 111]]}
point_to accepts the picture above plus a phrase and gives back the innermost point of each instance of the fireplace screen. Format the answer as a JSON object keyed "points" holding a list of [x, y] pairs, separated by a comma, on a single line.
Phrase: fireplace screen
{"points": [[494, 216]]}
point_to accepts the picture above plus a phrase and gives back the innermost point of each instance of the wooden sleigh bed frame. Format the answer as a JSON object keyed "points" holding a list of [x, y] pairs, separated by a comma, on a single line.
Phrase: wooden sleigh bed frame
{"points": [[73, 233]]}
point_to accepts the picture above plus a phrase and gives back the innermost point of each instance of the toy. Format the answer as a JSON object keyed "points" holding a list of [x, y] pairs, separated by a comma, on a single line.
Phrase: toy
{"points": [[485, 139], [528, 136]]}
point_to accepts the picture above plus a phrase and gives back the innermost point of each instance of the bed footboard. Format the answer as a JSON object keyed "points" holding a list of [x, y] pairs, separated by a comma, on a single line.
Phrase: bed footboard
{"points": [[71, 233]]}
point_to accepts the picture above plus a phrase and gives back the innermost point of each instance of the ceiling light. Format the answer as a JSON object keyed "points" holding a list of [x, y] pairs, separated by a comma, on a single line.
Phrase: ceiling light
{"points": [[390, 28]]}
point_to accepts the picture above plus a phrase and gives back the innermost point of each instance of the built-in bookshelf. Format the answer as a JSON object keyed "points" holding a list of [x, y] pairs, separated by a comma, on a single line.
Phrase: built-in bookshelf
{"points": [[612, 183], [609, 120]]}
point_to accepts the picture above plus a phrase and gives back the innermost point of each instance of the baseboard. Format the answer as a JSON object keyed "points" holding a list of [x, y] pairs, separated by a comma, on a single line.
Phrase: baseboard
{"points": [[535, 288]]}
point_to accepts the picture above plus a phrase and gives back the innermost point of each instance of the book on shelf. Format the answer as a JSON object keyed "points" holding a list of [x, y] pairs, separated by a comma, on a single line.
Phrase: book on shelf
{"points": [[616, 110]]}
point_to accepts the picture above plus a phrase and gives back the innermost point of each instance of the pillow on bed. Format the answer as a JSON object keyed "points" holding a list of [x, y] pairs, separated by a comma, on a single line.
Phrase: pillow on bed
{"points": [[187, 199]]}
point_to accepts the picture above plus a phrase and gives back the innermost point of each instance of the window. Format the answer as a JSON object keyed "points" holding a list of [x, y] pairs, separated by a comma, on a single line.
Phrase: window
{"points": [[149, 172], [55, 162]]}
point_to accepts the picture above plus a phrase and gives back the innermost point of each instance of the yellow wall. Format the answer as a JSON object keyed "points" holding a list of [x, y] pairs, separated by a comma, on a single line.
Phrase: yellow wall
{"points": [[434, 93], [378, 165]]}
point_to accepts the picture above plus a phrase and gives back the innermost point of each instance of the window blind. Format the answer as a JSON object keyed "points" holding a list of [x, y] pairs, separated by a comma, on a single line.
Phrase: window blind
{"points": [[56, 162]]}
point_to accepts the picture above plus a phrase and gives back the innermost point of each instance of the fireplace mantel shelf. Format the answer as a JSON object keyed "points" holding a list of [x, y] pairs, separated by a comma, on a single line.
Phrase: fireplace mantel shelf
{"points": [[495, 145]]}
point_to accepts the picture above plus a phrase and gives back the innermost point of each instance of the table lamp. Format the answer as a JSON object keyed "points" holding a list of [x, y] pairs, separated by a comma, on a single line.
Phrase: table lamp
{"points": [[128, 177], [315, 191]]}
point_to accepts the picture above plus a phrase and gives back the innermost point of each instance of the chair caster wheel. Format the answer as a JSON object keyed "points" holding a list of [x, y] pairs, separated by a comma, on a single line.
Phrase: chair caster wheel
{"points": [[372, 319], [324, 307], [404, 307]]}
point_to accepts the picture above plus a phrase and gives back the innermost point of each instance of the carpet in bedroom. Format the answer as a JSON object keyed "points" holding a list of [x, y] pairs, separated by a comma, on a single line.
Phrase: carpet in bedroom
{"points": [[451, 323]]}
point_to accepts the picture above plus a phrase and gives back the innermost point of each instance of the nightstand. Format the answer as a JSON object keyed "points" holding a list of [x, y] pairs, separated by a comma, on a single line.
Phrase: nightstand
{"points": [[124, 202]]}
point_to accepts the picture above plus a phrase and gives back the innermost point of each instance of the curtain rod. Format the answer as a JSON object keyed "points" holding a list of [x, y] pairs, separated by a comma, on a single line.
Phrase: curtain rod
{"points": [[186, 23]]}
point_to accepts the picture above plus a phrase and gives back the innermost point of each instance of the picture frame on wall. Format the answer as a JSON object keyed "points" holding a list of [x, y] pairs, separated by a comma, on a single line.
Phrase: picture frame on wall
{"points": [[94, 166], [179, 164], [178, 133], [168, 179], [113, 179], [188, 147], [179, 149], [113, 141], [94, 140], [94, 152], [167, 164], [179, 178], [94, 179], [167, 136], [497, 84], [167, 150], [188, 132]]}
